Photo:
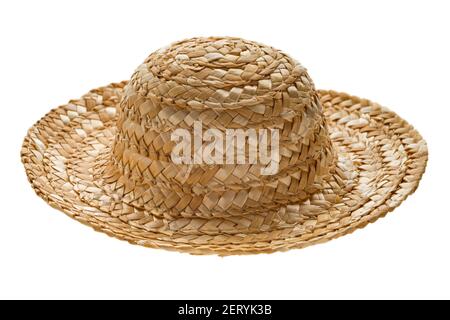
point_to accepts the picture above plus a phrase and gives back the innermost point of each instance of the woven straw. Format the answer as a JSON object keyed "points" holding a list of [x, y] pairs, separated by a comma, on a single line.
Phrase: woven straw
{"points": [[104, 159]]}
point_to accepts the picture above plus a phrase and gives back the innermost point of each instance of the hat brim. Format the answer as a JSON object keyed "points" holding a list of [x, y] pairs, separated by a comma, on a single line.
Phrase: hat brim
{"points": [[381, 159]]}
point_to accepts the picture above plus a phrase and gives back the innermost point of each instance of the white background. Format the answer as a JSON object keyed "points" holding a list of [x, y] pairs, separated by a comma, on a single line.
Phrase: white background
{"points": [[393, 52]]}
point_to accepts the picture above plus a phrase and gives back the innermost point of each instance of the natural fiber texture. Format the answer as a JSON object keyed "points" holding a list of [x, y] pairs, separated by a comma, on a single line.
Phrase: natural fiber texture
{"points": [[105, 159]]}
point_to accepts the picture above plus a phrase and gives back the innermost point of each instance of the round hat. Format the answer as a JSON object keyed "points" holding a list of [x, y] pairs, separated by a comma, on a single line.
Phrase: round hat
{"points": [[223, 146]]}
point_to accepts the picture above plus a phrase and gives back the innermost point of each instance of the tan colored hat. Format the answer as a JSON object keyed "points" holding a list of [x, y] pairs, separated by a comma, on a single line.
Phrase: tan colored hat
{"points": [[106, 159]]}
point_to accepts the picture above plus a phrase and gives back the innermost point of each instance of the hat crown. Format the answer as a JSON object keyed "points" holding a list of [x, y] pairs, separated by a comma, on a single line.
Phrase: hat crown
{"points": [[226, 83], [223, 73]]}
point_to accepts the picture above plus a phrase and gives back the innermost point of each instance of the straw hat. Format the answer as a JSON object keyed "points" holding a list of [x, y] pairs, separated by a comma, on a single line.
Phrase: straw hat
{"points": [[105, 159]]}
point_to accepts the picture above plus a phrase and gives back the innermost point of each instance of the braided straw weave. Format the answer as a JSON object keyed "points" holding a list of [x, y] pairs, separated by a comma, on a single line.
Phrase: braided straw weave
{"points": [[105, 159]]}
